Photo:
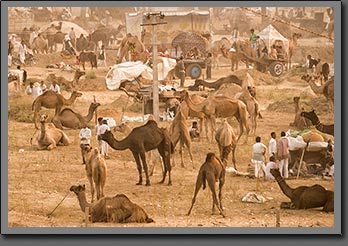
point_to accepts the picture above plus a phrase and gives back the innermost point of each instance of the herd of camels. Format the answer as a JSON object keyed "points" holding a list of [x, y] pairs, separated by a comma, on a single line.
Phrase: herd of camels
{"points": [[233, 98]]}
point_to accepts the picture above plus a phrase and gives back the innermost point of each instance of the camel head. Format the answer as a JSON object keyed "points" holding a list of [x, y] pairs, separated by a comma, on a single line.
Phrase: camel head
{"points": [[107, 135], [77, 189], [311, 115], [78, 72], [297, 35], [76, 94], [43, 118], [94, 105], [296, 99], [306, 77], [275, 172]]}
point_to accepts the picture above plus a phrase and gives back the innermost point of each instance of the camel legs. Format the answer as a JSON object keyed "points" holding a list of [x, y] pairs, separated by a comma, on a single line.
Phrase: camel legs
{"points": [[143, 159], [89, 176], [137, 160], [199, 184], [166, 164], [188, 144], [211, 183]]}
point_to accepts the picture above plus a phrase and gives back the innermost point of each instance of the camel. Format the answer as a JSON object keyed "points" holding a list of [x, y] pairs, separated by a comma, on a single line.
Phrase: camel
{"points": [[304, 197], [143, 139], [223, 107], [326, 89], [227, 142], [237, 55], [299, 121], [50, 99], [50, 136], [95, 170], [292, 45], [67, 83], [312, 116], [39, 45], [215, 49], [104, 34], [70, 119], [133, 45], [212, 170], [216, 84], [179, 132], [117, 209]]}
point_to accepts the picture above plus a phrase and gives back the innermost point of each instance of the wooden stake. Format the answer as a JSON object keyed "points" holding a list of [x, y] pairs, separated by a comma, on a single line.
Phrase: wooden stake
{"points": [[277, 218], [300, 165], [86, 216]]}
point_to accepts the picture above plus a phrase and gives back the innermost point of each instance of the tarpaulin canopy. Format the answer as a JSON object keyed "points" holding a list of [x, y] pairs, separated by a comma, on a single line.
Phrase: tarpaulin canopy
{"points": [[270, 34], [128, 71], [66, 27]]}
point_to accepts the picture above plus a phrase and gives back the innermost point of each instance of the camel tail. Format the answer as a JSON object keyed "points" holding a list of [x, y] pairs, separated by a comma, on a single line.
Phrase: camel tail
{"points": [[204, 179]]}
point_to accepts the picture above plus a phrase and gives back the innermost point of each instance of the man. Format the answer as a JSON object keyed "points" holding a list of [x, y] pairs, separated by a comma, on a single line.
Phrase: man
{"points": [[43, 86], [283, 155], [209, 62], [253, 42], [101, 128], [68, 45], [72, 36], [55, 87], [22, 51], [272, 147], [85, 140], [33, 90], [181, 67], [258, 157], [102, 56]]}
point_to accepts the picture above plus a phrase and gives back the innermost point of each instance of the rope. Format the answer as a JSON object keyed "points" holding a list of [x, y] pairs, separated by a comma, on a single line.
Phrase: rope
{"points": [[286, 23]]}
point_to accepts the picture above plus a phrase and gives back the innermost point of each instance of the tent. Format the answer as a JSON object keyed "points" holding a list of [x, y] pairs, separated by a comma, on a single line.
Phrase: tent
{"points": [[66, 28], [270, 35]]}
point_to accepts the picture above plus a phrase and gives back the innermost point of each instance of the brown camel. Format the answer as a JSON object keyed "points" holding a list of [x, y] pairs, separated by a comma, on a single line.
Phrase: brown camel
{"points": [[192, 114], [133, 45], [70, 119], [211, 171], [117, 209], [292, 45], [299, 121], [221, 107], [50, 136], [69, 84], [326, 89], [304, 197], [235, 56], [312, 116], [227, 142], [216, 84], [215, 49], [153, 156], [95, 170], [141, 140], [179, 132], [50, 99]]}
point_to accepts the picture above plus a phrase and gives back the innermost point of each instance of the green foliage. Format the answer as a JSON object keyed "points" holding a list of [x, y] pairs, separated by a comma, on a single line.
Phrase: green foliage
{"points": [[90, 75]]}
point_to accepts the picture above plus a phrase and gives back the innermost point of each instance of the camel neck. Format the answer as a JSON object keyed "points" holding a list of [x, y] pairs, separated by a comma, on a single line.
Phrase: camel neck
{"points": [[284, 186], [118, 145], [83, 201]]}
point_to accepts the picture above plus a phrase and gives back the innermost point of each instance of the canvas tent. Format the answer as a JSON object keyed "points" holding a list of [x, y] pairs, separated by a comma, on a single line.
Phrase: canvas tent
{"points": [[271, 35], [66, 28]]}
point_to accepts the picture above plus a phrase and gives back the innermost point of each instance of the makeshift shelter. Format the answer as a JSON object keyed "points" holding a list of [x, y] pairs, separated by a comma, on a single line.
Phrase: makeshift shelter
{"points": [[272, 36], [66, 27]]}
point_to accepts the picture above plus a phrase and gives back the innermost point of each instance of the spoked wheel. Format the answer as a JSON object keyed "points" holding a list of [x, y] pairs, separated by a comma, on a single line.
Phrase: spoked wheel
{"points": [[276, 69]]}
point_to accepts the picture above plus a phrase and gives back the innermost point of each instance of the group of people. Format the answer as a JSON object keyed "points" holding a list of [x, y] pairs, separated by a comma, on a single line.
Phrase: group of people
{"points": [[36, 89], [278, 156], [86, 134]]}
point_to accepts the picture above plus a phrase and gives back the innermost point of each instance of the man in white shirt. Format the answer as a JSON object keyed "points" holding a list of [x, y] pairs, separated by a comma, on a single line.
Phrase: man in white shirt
{"points": [[270, 165], [258, 158], [101, 128], [55, 87], [272, 147], [85, 140], [33, 90]]}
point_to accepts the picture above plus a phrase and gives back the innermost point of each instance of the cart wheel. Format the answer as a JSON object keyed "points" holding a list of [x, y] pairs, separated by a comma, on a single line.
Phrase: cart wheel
{"points": [[194, 71], [276, 69]]}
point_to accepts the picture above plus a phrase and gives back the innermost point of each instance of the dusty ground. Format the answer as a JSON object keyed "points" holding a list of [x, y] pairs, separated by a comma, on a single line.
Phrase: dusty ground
{"points": [[38, 180]]}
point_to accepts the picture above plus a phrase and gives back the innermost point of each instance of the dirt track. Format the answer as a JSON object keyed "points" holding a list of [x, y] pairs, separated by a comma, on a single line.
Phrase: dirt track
{"points": [[38, 180]]}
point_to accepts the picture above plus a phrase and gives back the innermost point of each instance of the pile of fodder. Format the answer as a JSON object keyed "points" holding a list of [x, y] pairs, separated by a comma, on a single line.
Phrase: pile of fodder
{"points": [[92, 84], [20, 108], [319, 104], [259, 77]]}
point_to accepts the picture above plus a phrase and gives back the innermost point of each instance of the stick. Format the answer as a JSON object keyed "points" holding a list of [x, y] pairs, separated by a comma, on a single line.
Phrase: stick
{"points": [[299, 168], [277, 218], [50, 214], [31, 139], [86, 216]]}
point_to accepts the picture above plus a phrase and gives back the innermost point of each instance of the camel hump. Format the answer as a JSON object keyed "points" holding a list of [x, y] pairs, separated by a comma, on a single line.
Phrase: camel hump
{"points": [[151, 122], [122, 196]]}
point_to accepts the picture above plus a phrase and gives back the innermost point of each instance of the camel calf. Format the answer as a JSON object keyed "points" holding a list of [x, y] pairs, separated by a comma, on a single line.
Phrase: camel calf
{"points": [[96, 171], [212, 170]]}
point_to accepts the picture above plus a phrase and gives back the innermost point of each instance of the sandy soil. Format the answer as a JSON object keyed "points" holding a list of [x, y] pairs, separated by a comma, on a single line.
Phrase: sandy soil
{"points": [[38, 180]]}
